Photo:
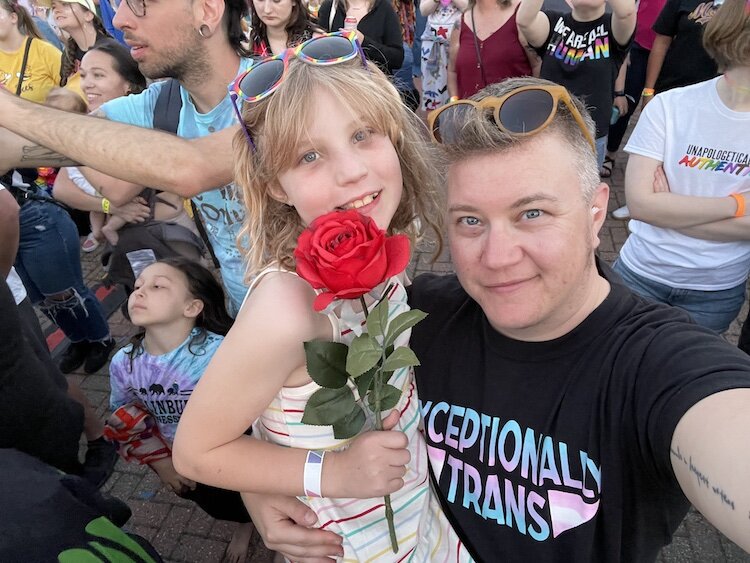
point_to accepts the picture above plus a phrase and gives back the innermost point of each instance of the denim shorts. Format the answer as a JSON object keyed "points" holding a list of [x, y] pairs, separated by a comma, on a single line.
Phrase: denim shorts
{"points": [[712, 309]]}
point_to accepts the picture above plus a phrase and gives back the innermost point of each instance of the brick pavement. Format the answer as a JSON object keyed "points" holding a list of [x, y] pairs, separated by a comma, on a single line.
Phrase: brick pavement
{"points": [[182, 532]]}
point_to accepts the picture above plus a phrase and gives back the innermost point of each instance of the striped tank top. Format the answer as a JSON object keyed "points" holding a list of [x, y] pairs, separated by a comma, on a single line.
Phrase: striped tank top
{"points": [[423, 532]]}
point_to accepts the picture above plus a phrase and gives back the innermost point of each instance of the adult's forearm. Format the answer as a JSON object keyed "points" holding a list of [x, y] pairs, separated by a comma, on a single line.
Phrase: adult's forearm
{"points": [[527, 13], [67, 192], [141, 156], [117, 191], [712, 472], [18, 152], [656, 59], [676, 211], [623, 9], [668, 209], [727, 230]]}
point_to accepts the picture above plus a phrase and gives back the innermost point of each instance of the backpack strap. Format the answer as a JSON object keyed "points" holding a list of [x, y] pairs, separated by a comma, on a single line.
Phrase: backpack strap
{"points": [[168, 106], [167, 118]]}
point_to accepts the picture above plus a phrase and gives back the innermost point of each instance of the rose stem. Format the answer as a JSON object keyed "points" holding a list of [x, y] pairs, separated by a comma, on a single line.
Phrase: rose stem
{"points": [[379, 426]]}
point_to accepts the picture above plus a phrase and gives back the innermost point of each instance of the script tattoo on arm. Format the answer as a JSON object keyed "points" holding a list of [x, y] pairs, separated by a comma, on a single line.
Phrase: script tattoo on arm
{"points": [[702, 478], [42, 156]]}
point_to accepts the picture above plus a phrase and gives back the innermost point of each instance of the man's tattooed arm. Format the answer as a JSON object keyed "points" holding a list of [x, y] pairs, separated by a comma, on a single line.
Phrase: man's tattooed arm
{"points": [[34, 155]]}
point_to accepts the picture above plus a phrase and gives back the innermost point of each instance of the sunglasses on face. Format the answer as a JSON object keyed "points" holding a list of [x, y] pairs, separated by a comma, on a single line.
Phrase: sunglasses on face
{"points": [[521, 112], [264, 77]]}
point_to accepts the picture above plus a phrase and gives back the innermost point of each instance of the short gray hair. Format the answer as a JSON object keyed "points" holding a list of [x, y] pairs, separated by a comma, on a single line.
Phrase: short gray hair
{"points": [[480, 135]]}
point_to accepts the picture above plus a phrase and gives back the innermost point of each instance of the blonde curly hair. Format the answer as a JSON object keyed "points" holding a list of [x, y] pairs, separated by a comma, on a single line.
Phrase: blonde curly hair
{"points": [[277, 125]]}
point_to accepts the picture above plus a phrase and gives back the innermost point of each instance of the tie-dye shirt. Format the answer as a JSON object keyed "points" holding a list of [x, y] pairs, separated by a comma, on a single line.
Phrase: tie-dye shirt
{"points": [[163, 384]]}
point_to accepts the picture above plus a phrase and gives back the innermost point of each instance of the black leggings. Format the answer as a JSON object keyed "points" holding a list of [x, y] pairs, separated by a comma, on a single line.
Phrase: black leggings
{"points": [[219, 503]]}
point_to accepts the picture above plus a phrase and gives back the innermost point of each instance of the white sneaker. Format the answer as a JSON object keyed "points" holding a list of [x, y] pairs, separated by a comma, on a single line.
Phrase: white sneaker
{"points": [[621, 212]]}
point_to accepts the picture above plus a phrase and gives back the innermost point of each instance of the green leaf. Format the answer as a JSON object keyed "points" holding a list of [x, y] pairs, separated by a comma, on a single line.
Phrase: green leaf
{"points": [[328, 406], [377, 320], [389, 397], [401, 323], [365, 380], [364, 354], [402, 357], [350, 426], [326, 363]]}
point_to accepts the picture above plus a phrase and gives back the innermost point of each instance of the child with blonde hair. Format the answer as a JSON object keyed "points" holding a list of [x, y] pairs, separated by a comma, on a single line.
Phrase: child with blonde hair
{"points": [[331, 134]]}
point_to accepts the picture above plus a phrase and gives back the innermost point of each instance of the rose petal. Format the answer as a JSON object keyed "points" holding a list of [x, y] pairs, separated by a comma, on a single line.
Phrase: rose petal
{"points": [[323, 300], [397, 248]]}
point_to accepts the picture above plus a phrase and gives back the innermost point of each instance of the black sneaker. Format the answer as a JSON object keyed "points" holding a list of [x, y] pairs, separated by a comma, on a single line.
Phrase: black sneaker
{"points": [[101, 456], [74, 356], [98, 355]]}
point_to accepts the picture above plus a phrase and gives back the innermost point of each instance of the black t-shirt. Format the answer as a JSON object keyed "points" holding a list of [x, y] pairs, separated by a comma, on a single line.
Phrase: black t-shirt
{"points": [[559, 450], [686, 62], [585, 58]]}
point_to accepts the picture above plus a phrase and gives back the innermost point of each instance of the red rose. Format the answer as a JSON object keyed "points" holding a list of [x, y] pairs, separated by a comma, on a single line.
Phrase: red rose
{"points": [[346, 254]]}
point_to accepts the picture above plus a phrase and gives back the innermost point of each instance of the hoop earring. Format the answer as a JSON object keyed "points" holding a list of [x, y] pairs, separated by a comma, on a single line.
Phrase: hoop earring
{"points": [[204, 31]]}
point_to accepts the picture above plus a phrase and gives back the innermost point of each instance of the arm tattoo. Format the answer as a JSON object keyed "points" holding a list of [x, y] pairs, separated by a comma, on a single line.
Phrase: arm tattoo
{"points": [[36, 153], [702, 478]]}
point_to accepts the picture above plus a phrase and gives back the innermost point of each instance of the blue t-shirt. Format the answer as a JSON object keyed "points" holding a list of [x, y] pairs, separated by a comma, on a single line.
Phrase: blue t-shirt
{"points": [[222, 209], [107, 11], [163, 384]]}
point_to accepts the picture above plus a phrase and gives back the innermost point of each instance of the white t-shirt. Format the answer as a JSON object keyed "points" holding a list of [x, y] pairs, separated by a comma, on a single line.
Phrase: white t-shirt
{"points": [[705, 148]]}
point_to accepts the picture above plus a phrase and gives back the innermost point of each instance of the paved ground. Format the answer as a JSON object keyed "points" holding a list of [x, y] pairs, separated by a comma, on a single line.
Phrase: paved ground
{"points": [[182, 532]]}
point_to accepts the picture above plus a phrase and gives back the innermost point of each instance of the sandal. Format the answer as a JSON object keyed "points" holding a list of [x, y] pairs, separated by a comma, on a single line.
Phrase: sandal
{"points": [[90, 244], [606, 171]]}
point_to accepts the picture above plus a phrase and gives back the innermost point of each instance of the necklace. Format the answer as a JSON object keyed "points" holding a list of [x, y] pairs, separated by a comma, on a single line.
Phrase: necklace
{"points": [[733, 85]]}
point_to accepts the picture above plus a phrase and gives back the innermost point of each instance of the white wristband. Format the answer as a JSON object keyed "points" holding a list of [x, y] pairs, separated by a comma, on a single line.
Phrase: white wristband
{"points": [[313, 473]]}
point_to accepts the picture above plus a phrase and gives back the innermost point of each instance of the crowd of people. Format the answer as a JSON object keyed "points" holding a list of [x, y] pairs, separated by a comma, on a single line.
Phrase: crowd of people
{"points": [[561, 409]]}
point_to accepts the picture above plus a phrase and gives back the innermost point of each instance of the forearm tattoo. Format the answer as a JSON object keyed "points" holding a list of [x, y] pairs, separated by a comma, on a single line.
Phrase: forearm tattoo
{"points": [[39, 154]]}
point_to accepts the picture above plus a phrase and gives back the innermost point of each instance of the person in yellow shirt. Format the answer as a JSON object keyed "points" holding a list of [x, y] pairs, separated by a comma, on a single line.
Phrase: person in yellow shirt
{"points": [[29, 66]]}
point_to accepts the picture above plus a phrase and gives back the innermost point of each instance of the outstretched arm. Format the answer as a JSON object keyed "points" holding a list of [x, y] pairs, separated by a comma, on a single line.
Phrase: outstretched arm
{"points": [[141, 156], [711, 461], [532, 22], [623, 20]]}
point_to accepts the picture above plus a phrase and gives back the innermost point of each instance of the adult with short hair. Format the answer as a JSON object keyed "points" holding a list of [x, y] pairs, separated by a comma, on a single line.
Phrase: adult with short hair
{"points": [[690, 240], [566, 417]]}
